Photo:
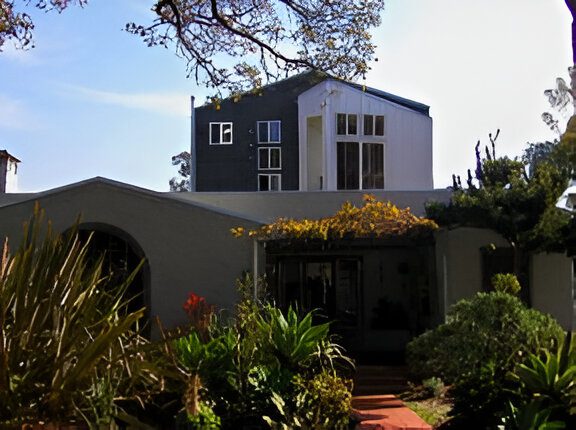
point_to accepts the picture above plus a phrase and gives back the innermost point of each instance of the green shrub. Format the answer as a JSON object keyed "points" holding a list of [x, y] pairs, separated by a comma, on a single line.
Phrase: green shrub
{"points": [[491, 327], [506, 283], [483, 339], [265, 363]]}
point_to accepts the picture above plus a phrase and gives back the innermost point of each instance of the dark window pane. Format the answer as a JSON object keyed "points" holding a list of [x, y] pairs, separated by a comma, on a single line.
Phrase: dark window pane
{"points": [[263, 132], [226, 133], [372, 166], [275, 183], [263, 158], [368, 125], [263, 182], [274, 131], [214, 133], [379, 126], [352, 124], [341, 123], [348, 166], [274, 158]]}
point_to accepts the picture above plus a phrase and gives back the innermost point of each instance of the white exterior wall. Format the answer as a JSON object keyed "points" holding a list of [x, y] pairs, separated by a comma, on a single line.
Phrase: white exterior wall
{"points": [[551, 287], [407, 140], [459, 262]]}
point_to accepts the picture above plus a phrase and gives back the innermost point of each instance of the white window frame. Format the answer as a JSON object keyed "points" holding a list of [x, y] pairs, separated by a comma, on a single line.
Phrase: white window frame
{"points": [[361, 164], [221, 133], [268, 123], [268, 151], [374, 125], [347, 126], [270, 175]]}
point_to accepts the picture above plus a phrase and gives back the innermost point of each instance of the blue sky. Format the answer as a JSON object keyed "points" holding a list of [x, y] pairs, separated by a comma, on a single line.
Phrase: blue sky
{"points": [[92, 100]]}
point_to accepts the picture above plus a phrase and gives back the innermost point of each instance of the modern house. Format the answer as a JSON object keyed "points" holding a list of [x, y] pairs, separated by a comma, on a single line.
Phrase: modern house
{"points": [[299, 148], [312, 132]]}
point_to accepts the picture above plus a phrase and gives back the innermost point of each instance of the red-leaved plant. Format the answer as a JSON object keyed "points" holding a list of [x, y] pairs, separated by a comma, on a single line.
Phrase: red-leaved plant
{"points": [[199, 313]]}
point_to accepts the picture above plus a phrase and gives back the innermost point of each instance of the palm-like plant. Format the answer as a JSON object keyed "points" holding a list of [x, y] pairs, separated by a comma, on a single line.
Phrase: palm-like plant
{"points": [[62, 328]]}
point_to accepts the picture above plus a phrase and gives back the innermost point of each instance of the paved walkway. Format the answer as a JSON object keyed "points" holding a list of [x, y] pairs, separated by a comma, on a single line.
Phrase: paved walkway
{"points": [[385, 412]]}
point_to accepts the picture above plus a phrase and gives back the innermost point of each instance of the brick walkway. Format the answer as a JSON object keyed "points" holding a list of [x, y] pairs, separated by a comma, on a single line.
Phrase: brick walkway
{"points": [[385, 412]]}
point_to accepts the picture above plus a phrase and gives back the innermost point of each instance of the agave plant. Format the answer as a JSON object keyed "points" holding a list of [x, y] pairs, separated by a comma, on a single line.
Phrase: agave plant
{"points": [[63, 328]]}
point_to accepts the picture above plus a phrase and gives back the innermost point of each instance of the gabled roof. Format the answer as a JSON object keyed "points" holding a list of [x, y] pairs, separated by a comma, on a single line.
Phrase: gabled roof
{"points": [[5, 154], [310, 78]]}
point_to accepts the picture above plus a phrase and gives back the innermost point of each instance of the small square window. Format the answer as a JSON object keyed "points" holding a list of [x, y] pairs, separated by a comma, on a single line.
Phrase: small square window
{"points": [[346, 124], [220, 133], [269, 131], [269, 158], [373, 125], [269, 182]]}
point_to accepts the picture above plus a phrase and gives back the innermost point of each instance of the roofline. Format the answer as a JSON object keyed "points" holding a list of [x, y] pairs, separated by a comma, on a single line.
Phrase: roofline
{"points": [[99, 180], [9, 156]]}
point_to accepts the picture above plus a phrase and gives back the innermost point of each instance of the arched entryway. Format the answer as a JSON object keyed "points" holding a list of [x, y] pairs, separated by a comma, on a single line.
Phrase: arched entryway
{"points": [[122, 255]]}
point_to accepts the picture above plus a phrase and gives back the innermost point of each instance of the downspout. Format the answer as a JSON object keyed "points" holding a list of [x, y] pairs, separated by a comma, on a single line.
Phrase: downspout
{"points": [[192, 145]]}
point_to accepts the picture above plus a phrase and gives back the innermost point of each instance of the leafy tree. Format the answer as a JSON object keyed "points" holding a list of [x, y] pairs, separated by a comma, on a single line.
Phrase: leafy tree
{"points": [[182, 182], [514, 197], [235, 45]]}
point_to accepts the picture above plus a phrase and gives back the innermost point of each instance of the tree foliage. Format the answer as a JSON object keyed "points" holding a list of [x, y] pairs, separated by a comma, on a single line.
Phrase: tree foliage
{"points": [[18, 27], [514, 197], [236, 45], [375, 219], [181, 182]]}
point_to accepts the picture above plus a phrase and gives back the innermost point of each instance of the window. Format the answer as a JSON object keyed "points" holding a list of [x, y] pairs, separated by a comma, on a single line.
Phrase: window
{"points": [[348, 159], [268, 131], [360, 166], [346, 124], [269, 158], [372, 166], [220, 133], [373, 125], [270, 182]]}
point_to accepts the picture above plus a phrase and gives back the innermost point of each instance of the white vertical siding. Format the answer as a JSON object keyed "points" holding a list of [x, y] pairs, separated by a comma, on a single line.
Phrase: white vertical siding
{"points": [[407, 140]]}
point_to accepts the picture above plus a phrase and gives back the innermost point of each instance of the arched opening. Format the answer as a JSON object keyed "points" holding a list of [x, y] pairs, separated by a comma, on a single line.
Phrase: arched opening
{"points": [[122, 255]]}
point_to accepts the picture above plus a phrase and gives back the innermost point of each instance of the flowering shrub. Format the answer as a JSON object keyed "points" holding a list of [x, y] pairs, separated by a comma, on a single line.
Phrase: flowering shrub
{"points": [[375, 219], [199, 312]]}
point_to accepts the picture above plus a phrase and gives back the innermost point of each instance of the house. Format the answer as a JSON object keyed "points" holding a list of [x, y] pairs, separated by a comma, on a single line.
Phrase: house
{"points": [[299, 148], [312, 132]]}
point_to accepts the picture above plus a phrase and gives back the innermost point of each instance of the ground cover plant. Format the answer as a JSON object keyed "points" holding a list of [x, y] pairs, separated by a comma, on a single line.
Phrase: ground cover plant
{"points": [[261, 368], [483, 340]]}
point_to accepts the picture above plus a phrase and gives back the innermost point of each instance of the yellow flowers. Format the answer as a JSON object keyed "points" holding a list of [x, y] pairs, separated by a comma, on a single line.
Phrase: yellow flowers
{"points": [[375, 219]]}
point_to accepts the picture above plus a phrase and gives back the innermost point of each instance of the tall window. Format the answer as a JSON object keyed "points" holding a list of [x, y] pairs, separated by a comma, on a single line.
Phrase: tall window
{"points": [[269, 132], [373, 125], [348, 166], [346, 124], [220, 133], [360, 166], [269, 182], [269, 158], [372, 166]]}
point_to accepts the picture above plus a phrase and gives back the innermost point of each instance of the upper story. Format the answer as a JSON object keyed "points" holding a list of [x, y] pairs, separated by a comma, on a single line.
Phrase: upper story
{"points": [[311, 132]]}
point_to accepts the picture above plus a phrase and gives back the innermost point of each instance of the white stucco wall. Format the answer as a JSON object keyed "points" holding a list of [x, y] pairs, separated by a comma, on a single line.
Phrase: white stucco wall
{"points": [[459, 262], [407, 140], [551, 287]]}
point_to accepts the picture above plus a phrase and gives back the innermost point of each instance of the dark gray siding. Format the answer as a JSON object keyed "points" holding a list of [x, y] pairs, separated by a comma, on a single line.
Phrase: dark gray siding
{"points": [[235, 167]]}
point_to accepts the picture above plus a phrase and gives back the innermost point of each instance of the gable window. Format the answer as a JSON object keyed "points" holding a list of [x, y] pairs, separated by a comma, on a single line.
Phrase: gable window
{"points": [[373, 125], [269, 158], [346, 124], [269, 182], [360, 166], [220, 133], [269, 131]]}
